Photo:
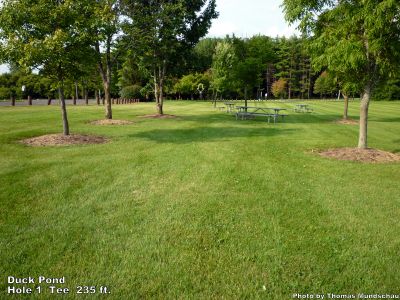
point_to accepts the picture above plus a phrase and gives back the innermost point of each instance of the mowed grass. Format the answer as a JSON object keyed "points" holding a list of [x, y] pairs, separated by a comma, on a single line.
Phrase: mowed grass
{"points": [[202, 206]]}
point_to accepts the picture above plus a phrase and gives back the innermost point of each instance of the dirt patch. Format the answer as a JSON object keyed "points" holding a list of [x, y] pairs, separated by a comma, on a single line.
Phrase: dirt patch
{"points": [[347, 122], [111, 122], [157, 116], [63, 140], [362, 155]]}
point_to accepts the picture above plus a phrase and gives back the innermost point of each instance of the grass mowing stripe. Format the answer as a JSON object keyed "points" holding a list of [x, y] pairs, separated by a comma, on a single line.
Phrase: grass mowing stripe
{"points": [[201, 206]]}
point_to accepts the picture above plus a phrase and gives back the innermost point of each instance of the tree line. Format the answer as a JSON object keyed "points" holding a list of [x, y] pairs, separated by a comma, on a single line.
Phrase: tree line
{"points": [[71, 41], [259, 67]]}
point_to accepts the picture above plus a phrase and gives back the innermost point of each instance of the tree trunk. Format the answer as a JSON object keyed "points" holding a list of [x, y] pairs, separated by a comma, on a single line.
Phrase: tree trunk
{"points": [[159, 87], [105, 72], [63, 110], [107, 98], [29, 100], [245, 98], [12, 101], [96, 95], [346, 106], [83, 90], [48, 100], [76, 93], [160, 100], [74, 99], [86, 97], [362, 139]]}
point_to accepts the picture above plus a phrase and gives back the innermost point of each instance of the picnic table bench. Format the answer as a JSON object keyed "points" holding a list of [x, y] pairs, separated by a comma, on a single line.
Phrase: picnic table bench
{"points": [[304, 108], [229, 106], [243, 113]]}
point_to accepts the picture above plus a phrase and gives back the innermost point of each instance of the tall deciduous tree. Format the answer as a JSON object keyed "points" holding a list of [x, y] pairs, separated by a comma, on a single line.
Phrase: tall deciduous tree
{"points": [[361, 38], [222, 75], [105, 26], [49, 35], [162, 33]]}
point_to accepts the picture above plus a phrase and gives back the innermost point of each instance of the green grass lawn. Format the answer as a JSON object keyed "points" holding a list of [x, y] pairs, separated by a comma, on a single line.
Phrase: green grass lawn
{"points": [[202, 206]]}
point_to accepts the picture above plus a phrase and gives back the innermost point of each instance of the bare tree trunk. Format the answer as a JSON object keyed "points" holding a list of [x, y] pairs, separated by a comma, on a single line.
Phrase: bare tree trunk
{"points": [[245, 98], [63, 110], [13, 101], [107, 99], [76, 93], [96, 95], [106, 76], [29, 100], [362, 139], [346, 106], [159, 85], [160, 98], [48, 100], [86, 97]]}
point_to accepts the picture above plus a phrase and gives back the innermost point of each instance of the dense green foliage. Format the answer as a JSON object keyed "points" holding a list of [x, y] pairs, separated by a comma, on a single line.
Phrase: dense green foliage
{"points": [[131, 92], [255, 64], [243, 210], [161, 34], [326, 84], [356, 41]]}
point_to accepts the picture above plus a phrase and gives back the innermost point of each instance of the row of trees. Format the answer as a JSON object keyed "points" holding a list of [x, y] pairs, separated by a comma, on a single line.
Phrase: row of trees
{"points": [[19, 83], [77, 37], [230, 68]]}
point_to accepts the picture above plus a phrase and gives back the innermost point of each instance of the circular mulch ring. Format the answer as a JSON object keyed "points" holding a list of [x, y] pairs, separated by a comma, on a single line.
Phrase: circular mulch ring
{"points": [[158, 116], [347, 122], [362, 155], [64, 140], [111, 122]]}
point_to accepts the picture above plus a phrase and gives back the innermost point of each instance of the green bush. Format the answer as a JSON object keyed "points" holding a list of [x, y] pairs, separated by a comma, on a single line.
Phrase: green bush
{"points": [[131, 92]]}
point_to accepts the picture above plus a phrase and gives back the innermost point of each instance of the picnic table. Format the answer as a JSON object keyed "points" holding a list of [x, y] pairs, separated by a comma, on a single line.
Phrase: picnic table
{"points": [[244, 113], [303, 108], [229, 106]]}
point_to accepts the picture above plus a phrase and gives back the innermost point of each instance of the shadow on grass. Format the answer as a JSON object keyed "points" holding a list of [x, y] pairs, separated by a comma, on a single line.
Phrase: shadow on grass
{"points": [[388, 120], [207, 134], [292, 118]]}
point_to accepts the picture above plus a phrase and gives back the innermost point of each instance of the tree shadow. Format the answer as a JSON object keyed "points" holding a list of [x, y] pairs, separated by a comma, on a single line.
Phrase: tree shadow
{"points": [[388, 120], [207, 134], [291, 118]]}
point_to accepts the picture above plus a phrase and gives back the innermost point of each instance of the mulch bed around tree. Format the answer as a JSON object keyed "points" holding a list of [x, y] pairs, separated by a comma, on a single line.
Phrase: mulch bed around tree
{"points": [[362, 155], [157, 116], [347, 122], [111, 122], [63, 140]]}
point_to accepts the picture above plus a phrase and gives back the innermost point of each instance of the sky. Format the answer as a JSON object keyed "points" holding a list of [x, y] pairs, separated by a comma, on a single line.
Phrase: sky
{"points": [[245, 18]]}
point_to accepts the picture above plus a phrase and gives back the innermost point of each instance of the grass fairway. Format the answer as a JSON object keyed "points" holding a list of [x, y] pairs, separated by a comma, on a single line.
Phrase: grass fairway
{"points": [[202, 206]]}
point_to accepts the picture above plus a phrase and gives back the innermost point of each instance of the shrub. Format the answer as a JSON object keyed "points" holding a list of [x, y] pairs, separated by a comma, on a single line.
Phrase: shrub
{"points": [[279, 88], [131, 92]]}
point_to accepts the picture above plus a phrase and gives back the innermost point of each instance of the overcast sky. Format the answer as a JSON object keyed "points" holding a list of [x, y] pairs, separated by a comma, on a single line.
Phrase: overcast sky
{"points": [[245, 18]]}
